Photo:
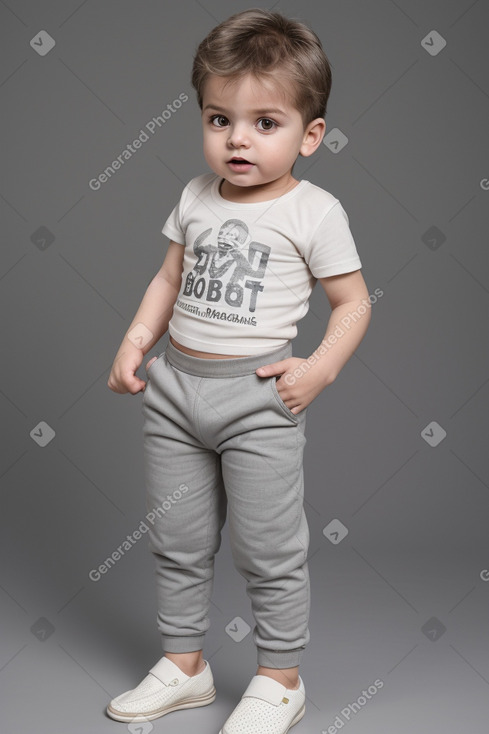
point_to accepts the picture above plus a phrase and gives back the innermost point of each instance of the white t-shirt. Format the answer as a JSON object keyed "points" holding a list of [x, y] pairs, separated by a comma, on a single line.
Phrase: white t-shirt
{"points": [[249, 268]]}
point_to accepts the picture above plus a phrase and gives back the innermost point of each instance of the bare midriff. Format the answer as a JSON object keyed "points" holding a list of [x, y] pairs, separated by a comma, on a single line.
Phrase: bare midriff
{"points": [[204, 355]]}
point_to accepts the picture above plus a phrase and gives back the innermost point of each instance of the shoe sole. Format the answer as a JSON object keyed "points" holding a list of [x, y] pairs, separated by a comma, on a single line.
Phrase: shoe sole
{"points": [[190, 703], [296, 719]]}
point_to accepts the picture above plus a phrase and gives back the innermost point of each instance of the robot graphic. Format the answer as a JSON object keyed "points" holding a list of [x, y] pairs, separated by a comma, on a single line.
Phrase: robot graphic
{"points": [[220, 270]]}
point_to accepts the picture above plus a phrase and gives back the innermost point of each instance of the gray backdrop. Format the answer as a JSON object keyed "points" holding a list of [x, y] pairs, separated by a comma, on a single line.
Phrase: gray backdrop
{"points": [[396, 458]]}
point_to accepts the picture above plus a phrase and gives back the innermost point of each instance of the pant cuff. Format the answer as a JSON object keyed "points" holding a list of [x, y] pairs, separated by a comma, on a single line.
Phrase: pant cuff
{"points": [[183, 644], [279, 658]]}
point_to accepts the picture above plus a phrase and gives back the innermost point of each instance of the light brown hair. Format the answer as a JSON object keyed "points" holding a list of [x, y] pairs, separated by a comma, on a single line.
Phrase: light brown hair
{"points": [[267, 45]]}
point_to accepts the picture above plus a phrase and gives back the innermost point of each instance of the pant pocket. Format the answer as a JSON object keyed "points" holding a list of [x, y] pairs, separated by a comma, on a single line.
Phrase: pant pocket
{"points": [[153, 364], [150, 375], [280, 402]]}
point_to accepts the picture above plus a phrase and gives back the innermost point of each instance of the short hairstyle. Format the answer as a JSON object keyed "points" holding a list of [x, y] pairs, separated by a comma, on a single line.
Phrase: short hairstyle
{"points": [[262, 42]]}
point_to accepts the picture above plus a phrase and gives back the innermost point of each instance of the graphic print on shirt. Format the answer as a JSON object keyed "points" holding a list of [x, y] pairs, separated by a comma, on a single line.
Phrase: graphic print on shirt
{"points": [[225, 277]]}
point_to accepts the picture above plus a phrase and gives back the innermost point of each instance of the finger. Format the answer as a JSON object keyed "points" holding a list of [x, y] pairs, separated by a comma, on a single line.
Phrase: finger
{"points": [[274, 368], [135, 385]]}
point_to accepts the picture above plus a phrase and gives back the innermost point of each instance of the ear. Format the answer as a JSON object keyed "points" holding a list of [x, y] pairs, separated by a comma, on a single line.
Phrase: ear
{"points": [[313, 135]]}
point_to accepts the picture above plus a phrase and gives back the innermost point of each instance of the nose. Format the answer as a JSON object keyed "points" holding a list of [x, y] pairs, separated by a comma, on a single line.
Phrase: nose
{"points": [[238, 136]]}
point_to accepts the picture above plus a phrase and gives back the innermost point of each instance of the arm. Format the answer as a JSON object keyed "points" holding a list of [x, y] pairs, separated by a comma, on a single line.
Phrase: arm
{"points": [[303, 379], [350, 316], [149, 323]]}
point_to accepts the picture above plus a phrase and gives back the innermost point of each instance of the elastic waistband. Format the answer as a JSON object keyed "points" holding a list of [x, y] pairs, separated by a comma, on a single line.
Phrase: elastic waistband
{"points": [[224, 366]]}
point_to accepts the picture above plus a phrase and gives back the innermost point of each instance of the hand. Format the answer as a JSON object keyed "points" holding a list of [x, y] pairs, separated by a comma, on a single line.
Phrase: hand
{"points": [[150, 362], [122, 378], [296, 392]]}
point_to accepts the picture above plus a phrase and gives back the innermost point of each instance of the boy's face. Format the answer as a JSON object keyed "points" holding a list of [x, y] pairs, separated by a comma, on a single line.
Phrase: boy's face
{"points": [[250, 120]]}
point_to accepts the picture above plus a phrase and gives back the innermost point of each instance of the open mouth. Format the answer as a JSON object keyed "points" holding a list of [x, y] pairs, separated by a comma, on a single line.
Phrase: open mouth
{"points": [[239, 163]]}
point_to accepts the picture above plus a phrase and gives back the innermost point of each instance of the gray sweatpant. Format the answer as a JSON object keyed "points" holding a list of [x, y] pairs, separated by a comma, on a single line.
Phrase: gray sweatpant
{"points": [[218, 437]]}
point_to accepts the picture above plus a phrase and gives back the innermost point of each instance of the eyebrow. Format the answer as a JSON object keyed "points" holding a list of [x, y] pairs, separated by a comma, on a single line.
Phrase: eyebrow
{"points": [[267, 111]]}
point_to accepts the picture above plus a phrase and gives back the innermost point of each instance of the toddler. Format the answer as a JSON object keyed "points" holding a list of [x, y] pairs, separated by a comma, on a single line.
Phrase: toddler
{"points": [[225, 404]]}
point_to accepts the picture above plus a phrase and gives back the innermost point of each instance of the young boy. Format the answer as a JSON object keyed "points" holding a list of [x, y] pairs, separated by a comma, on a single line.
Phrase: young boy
{"points": [[225, 404]]}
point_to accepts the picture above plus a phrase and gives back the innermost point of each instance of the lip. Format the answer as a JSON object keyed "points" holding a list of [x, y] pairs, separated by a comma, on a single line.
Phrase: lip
{"points": [[236, 166]]}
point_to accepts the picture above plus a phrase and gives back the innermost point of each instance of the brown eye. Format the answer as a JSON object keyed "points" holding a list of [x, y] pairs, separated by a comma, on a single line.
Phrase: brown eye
{"points": [[219, 120], [266, 124]]}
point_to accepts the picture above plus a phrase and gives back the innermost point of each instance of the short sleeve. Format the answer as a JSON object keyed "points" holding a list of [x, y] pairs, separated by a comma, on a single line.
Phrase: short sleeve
{"points": [[332, 249], [173, 227]]}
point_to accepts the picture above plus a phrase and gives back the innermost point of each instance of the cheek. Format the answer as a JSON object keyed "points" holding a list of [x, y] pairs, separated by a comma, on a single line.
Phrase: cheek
{"points": [[278, 150], [210, 141], [206, 145], [210, 152]]}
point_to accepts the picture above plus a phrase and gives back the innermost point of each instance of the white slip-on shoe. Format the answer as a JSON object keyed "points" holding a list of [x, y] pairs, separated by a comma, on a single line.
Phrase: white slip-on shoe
{"points": [[166, 688], [266, 706]]}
